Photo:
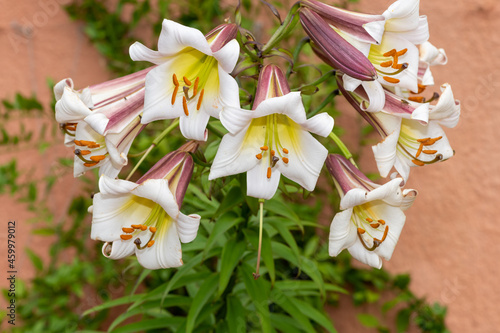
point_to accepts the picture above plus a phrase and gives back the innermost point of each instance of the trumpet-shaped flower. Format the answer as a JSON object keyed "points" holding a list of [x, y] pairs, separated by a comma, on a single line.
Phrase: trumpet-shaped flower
{"points": [[411, 131], [272, 139], [144, 217], [393, 51], [192, 80], [101, 121], [372, 215]]}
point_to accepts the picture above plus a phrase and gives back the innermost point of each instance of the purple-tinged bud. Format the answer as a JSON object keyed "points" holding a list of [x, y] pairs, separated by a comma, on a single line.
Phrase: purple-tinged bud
{"points": [[335, 50], [346, 175], [272, 83], [221, 35], [177, 168]]}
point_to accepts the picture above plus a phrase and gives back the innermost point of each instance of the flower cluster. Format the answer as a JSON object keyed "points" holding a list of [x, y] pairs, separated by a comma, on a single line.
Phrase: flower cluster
{"points": [[382, 67]]}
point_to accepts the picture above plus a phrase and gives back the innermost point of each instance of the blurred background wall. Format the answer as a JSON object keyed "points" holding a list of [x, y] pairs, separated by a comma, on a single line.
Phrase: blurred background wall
{"points": [[449, 244]]}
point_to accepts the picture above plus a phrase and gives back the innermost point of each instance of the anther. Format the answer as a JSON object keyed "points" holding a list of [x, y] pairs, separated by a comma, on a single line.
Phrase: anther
{"points": [[78, 143], [285, 150], [186, 80], [144, 227], [390, 53], [136, 226], [419, 150], [417, 162], [269, 172], [386, 64], [374, 225], [195, 88], [418, 99], [93, 145], [285, 160], [381, 222], [429, 151], [176, 82], [273, 152], [97, 158], [125, 237], [259, 156], [369, 219], [174, 95], [264, 148], [84, 152], [150, 243], [361, 231], [402, 52], [90, 164], [274, 161], [391, 79], [152, 229], [423, 140], [198, 106], [128, 230], [184, 105]]}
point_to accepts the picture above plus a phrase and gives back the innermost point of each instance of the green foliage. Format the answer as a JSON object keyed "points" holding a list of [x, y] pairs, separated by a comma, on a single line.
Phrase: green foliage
{"points": [[214, 291]]}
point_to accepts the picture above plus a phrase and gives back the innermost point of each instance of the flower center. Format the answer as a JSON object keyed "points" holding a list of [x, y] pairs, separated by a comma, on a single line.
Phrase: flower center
{"points": [[389, 60], [422, 147], [88, 148], [367, 223], [273, 150], [156, 220], [195, 73]]}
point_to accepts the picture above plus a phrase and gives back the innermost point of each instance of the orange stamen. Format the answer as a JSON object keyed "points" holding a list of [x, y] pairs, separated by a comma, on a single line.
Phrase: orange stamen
{"points": [[97, 158], [259, 156], [402, 52], [200, 99], [285, 150], [391, 79], [71, 128], [94, 145], [273, 152], [144, 227], [417, 162], [265, 148], [421, 88], [128, 230], [285, 160], [419, 150], [386, 64], [269, 172], [174, 95], [375, 225], [150, 243], [90, 164], [125, 237], [87, 143], [84, 152], [390, 53], [78, 143], [418, 99], [176, 82], [152, 229], [423, 140], [429, 151], [361, 231], [136, 226], [195, 88], [369, 219], [186, 80], [185, 106], [381, 222]]}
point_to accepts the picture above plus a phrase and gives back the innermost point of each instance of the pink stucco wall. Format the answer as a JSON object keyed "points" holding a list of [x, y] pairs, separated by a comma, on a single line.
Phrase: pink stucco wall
{"points": [[449, 244]]}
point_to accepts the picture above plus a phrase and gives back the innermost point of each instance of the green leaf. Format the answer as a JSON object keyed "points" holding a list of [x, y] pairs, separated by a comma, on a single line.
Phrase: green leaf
{"points": [[290, 306], [36, 260], [368, 320], [144, 325], [318, 316], [232, 199], [258, 290], [223, 224], [231, 254], [236, 315], [403, 320], [281, 209], [206, 290], [116, 302]]}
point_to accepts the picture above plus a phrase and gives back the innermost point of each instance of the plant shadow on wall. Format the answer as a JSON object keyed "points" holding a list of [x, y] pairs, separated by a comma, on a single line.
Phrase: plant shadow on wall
{"points": [[214, 291]]}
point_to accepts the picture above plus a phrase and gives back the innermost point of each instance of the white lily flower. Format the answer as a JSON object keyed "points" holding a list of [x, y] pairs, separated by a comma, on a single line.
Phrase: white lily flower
{"points": [[411, 131], [192, 80], [143, 218], [272, 139], [372, 218], [101, 121]]}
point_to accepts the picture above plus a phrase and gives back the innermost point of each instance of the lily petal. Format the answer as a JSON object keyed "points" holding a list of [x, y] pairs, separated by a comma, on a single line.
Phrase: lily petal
{"points": [[258, 185], [342, 233]]}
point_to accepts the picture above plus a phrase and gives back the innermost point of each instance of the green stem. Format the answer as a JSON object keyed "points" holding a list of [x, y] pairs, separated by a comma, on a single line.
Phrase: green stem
{"points": [[283, 30], [323, 104], [155, 142], [296, 52], [214, 130], [342, 147], [256, 275], [252, 55]]}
